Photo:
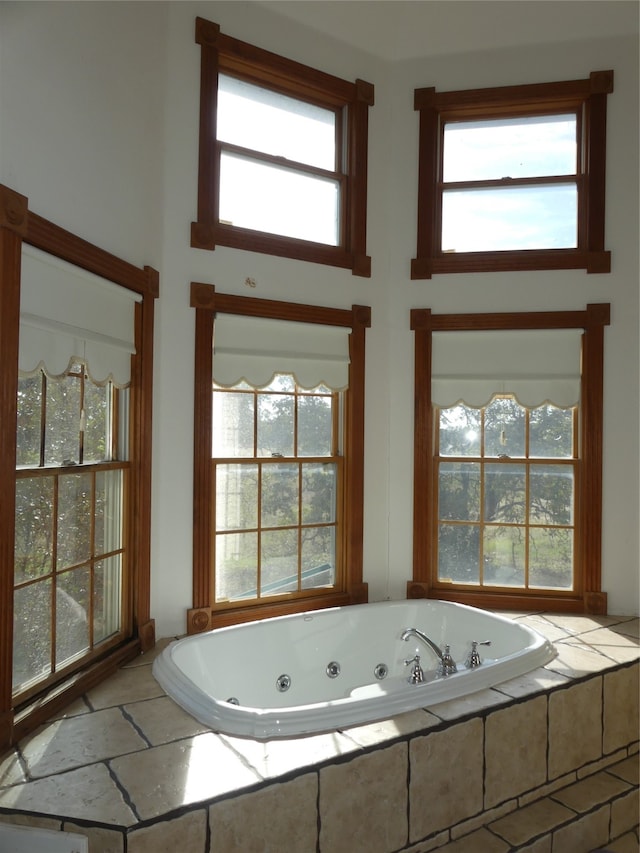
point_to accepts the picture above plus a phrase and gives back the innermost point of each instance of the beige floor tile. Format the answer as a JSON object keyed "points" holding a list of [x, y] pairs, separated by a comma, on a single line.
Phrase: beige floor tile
{"points": [[162, 721], [88, 793], [618, 646], [627, 844], [11, 770], [404, 724], [471, 704], [151, 655], [575, 727], [593, 791], [73, 710], [621, 708], [481, 841], [578, 624], [185, 834], [281, 817], [544, 626], [625, 813], [576, 660], [537, 681], [127, 685], [349, 822], [629, 769], [32, 820], [182, 773], [76, 741], [586, 833], [527, 823], [100, 840]]}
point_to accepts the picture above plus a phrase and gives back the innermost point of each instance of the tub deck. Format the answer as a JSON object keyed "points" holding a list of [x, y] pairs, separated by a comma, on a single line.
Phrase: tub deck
{"points": [[101, 768]]}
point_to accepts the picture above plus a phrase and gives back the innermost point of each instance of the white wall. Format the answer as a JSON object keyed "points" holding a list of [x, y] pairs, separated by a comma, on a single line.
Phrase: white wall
{"points": [[99, 128]]}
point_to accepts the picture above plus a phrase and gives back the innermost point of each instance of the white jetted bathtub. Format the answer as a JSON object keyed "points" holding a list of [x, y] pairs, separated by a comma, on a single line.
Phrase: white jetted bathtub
{"points": [[328, 669]]}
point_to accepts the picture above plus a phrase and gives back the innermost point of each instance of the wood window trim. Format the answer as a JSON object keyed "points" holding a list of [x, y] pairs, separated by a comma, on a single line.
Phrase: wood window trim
{"points": [[18, 225], [206, 301], [222, 53], [588, 597], [589, 98]]}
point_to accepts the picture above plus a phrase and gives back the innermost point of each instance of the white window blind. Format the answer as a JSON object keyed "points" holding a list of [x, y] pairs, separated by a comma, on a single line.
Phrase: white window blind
{"points": [[67, 313], [254, 349], [537, 365]]}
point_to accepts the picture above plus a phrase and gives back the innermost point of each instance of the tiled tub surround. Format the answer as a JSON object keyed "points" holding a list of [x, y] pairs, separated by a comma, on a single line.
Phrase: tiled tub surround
{"points": [[545, 763]]}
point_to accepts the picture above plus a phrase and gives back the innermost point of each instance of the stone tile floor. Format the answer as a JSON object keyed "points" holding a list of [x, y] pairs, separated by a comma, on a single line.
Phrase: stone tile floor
{"points": [[104, 759]]}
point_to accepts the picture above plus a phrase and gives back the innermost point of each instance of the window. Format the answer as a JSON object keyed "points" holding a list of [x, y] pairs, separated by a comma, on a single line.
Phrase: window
{"points": [[508, 459], [513, 178], [283, 156], [278, 458]]}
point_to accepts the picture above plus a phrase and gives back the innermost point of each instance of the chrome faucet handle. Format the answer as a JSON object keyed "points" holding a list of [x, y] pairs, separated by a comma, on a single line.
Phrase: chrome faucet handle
{"points": [[447, 664], [416, 676], [473, 659]]}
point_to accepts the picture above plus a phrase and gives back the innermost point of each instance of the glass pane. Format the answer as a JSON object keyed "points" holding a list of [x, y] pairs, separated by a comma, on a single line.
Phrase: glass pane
{"points": [[62, 431], [236, 496], [504, 425], [318, 557], [29, 414], [551, 494], [33, 552], [460, 429], [505, 493], [551, 558], [275, 424], [74, 519], [459, 553], [459, 491], [72, 606], [107, 598], [279, 562], [96, 410], [551, 432], [108, 512], [280, 494], [233, 416], [31, 633], [510, 148], [263, 120], [511, 218], [278, 200], [504, 556], [319, 493], [236, 566], [314, 425]]}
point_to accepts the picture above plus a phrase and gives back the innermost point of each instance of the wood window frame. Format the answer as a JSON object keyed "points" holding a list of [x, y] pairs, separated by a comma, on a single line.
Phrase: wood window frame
{"points": [[588, 99], [207, 302], [18, 225], [588, 596], [223, 54]]}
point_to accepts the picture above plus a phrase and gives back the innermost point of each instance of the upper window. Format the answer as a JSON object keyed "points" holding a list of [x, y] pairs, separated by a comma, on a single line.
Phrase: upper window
{"points": [[513, 178], [283, 156]]}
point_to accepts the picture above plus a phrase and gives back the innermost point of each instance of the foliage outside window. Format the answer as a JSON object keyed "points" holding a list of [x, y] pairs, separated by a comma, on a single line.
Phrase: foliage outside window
{"points": [[283, 156], [513, 178]]}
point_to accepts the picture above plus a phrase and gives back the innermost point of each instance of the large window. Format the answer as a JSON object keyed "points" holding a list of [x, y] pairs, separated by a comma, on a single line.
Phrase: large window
{"points": [[513, 178], [508, 458], [279, 414], [283, 156]]}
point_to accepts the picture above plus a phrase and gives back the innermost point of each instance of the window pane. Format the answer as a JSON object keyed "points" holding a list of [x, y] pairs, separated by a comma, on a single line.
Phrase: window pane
{"points": [[278, 200], [236, 496], [279, 502], [33, 553], [72, 606], [29, 420], [513, 148], [266, 121], [275, 424], [504, 428], [74, 519], [108, 512], [551, 432], [236, 566], [318, 493], [510, 218], [504, 493], [95, 447], [318, 557], [551, 494], [314, 425], [460, 430], [31, 633], [107, 598], [504, 556], [459, 491], [279, 562], [459, 553], [551, 558], [232, 424], [62, 433]]}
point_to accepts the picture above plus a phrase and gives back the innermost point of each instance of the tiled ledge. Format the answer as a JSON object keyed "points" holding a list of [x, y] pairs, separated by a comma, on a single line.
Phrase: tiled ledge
{"points": [[126, 761]]}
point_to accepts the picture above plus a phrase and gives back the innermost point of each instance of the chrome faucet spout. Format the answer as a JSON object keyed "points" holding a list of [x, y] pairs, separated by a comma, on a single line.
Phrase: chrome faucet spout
{"points": [[415, 632]]}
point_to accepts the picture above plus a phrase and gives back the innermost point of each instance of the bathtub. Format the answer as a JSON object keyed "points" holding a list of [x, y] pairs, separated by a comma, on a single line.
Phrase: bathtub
{"points": [[329, 669]]}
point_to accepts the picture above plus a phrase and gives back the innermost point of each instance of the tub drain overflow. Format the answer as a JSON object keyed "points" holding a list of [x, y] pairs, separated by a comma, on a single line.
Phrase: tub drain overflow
{"points": [[333, 669], [381, 671], [283, 683]]}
